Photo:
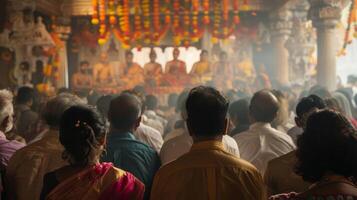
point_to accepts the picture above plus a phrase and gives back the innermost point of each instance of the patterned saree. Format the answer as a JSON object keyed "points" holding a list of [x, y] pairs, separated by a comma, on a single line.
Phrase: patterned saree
{"points": [[102, 181]]}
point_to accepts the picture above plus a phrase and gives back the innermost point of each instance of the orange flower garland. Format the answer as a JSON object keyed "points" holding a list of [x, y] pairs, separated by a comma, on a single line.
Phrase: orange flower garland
{"points": [[145, 7], [152, 19], [176, 23], [351, 19], [95, 19], [225, 9], [236, 18], [206, 9], [137, 19], [102, 23]]}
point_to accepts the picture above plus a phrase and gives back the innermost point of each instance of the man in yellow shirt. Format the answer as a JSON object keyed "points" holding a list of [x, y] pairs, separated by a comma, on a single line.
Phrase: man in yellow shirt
{"points": [[207, 171]]}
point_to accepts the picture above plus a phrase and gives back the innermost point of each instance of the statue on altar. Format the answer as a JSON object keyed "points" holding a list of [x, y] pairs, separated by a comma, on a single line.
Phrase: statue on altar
{"points": [[201, 71], [103, 72], [133, 73], [244, 70], [82, 79], [175, 71], [153, 70], [223, 72], [23, 74]]}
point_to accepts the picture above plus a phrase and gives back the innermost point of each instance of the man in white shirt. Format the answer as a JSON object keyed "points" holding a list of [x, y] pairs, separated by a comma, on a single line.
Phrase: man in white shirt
{"points": [[261, 143], [149, 136], [151, 104]]}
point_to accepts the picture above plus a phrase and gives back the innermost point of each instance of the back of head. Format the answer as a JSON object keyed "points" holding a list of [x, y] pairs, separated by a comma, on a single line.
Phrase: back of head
{"points": [[328, 145], [309, 103], [124, 112], [343, 104], [320, 91], [25, 95], [239, 110], [263, 106], [63, 90], [82, 132], [151, 102], [103, 104], [55, 107], [181, 102], [283, 112], [206, 112], [172, 100], [93, 97], [6, 107]]}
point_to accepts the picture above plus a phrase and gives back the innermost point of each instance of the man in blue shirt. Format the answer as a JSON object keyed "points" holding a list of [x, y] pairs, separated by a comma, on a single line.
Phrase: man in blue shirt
{"points": [[122, 148]]}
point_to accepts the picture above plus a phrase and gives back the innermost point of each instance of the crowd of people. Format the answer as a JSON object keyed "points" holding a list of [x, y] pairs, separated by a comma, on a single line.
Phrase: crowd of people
{"points": [[201, 144]]}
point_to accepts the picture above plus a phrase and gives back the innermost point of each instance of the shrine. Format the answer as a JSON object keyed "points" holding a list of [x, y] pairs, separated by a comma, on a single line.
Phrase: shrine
{"points": [[167, 45]]}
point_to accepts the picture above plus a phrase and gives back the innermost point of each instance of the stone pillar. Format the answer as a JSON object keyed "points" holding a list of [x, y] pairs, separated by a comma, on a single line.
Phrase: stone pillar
{"points": [[325, 15], [63, 29], [280, 28]]}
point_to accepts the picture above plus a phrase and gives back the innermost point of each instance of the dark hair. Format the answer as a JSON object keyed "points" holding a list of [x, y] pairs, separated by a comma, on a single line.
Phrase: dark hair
{"points": [[306, 104], [93, 97], [103, 104], [55, 107], [81, 128], [240, 110], [63, 90], [84, 62], [328, 144], [128, 52], [204, 51], [264, 106], [181, 101], [172, 100], [223, 53], [124, 111], [25, 95], [206, 111], [26, 65], [151, 102]]}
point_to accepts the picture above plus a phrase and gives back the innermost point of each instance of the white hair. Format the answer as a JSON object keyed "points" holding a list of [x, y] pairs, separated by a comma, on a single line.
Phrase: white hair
{"points": [[6, 106]]}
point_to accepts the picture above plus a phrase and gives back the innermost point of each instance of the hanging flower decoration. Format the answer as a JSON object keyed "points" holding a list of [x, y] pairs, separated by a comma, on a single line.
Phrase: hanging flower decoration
{"points": [[146, 22], [351, 20], [145, 7], [160, 30], [176, 24], [137, 20], [206, 10], [236, 17], [111, 12], [95, 19], [102, 23]]}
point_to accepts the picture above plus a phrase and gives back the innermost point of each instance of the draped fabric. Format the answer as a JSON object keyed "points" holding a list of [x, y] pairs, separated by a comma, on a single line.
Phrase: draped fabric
{"points": [[102, 181]]}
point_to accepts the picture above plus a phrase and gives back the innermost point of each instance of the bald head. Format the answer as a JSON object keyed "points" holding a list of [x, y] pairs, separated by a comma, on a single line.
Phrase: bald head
{"points": [[264, 106], [125, 112]]}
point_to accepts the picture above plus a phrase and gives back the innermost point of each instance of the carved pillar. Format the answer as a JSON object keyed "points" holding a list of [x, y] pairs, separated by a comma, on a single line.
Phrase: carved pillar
{"points": [[325, 15], [302, 41], [280, 28], [63, 29]]}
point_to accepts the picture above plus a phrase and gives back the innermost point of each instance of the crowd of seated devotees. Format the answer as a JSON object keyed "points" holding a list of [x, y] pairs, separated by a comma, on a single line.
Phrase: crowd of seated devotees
{"points": [[201, 144]]}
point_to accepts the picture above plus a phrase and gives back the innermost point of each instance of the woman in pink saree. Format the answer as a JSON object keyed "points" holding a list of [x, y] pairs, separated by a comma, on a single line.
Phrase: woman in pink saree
{"points": [[83, 135]]}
